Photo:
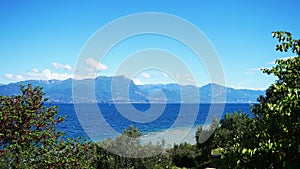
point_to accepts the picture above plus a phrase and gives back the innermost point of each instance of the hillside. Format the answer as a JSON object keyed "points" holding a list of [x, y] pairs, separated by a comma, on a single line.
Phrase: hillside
{"points": [[62, 91]]}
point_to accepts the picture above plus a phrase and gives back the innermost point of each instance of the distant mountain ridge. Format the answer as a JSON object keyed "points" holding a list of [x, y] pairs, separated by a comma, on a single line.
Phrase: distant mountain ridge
{"points": [[62, 91]]}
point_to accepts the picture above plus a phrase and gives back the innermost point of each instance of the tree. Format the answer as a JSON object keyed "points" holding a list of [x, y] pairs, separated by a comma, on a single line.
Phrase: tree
{"points": [[28, 134], [279, 111], [204, 139], [236, 125], [132, 132], [127, 151], [237, 131], [184, 155], [273, 138]]}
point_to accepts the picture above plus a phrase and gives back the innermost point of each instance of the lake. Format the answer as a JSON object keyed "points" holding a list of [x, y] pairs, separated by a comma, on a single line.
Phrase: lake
{"points": [[157, 121]]}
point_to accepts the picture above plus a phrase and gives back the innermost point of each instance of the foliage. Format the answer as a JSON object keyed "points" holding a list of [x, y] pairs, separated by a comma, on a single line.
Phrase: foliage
{"points": [[272, 138], [235, 125], [204, 139], [287, 42], [29, 138], [184, 155], [236, 132], [279, 110], [28, 134], [132, 132], [127, 151]]}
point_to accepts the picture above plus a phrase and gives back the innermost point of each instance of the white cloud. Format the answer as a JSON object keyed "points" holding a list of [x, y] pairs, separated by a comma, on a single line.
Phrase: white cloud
{"points": [[95, 65], [243, 84], [271, 63], [61, 76], [255, 69], [90, 70], [250, 73], [47, 74], [19, 77], [9, 76], [13, 77], [89, 73], [145, 75], [68, 67], [35, 70], [137, 81], [33, 75], [189, 78], [61, 66], [165, 74], [249, 88]]}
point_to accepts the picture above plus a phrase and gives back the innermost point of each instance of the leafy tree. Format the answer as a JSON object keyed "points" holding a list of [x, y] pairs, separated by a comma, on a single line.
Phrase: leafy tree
{"points": [[272, 139], [236, 132], [126, 150], [132, 132], [235, 125], [28, 134], [199, 155], [204, 139], [184, 155], [279, 111]]}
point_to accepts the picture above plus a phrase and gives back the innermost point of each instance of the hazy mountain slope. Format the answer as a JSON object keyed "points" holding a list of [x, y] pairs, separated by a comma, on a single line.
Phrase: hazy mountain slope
{"points": [[124, 90]]}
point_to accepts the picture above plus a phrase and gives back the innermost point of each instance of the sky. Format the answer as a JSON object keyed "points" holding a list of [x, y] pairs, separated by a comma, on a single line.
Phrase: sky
{"points": [[45, 39]]}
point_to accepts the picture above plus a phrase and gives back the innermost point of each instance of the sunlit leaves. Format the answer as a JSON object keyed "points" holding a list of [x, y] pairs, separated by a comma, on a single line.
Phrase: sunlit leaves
{"points": [[286, 42]]}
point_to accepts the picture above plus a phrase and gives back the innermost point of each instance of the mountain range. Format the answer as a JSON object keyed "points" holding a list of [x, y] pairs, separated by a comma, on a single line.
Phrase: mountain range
{"points": [[119, 89]]}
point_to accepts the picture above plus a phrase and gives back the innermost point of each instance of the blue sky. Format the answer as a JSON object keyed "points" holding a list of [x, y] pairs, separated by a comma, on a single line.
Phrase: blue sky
{"points": [[43, 39]]}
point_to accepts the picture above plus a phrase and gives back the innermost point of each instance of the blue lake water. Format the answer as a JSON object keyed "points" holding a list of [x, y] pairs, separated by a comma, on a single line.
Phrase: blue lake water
{"points": [[148, 118]]}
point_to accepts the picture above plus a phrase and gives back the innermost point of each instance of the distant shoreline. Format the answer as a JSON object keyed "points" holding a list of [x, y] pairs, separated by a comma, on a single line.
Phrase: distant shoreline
{"points": [[146, 103]]}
